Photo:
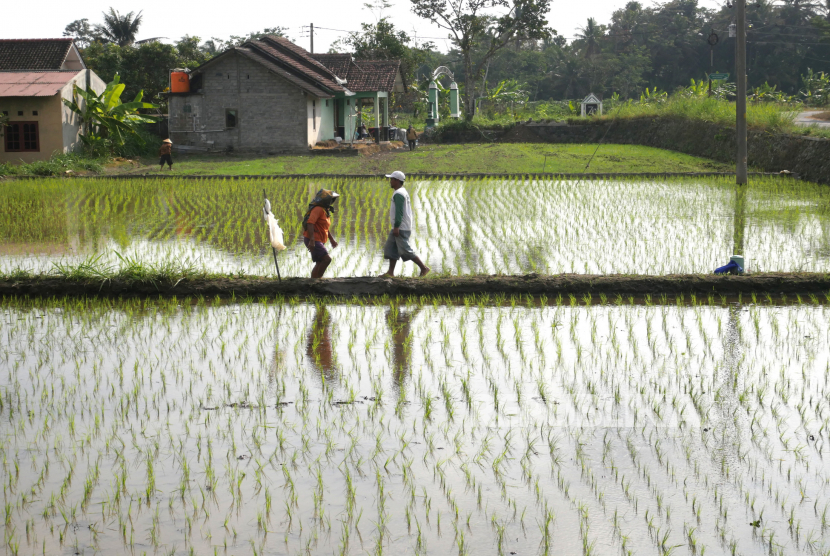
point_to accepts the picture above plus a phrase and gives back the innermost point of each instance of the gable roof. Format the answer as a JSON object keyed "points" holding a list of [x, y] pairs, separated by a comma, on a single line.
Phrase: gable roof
{"points": [[34, 54], [365, 75], [34, 83], [303, 84], [291, 62]]}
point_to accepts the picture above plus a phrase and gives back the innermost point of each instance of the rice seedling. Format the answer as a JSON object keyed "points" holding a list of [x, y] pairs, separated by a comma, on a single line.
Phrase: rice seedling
{"points": [[142, 230], [256, 425]]}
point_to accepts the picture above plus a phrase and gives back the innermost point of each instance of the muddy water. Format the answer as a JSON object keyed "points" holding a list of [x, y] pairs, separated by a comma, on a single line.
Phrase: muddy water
{"points": [[168, 427], [462, 227]]}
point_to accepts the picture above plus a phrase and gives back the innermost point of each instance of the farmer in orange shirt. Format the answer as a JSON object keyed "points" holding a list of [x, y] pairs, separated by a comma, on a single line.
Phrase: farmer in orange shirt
{"points": [[316, 230]]}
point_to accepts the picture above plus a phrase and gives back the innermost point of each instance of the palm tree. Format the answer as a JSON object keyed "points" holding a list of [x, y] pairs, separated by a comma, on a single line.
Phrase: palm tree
{"points": [[591, 34], [119, 29]]}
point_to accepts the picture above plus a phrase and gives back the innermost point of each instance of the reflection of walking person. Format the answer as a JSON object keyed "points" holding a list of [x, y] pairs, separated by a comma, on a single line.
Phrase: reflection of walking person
{"points": [[319, 346], [400, 216], [316, 230], [164, 154], [411, 137]]}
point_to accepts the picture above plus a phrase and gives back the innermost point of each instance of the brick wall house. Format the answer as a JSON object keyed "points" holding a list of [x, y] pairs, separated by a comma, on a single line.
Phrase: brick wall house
{"points": [[267, 95]]}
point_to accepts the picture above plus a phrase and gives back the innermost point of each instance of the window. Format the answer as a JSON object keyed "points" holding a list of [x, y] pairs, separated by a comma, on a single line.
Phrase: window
{"points": [[20, 112], [22, 137], [34, 112], [327, 103], [230, 118], [314, 115]]}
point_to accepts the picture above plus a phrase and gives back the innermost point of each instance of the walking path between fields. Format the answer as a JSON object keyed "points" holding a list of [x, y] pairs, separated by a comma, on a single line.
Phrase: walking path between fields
{"points": [[775, 284]]}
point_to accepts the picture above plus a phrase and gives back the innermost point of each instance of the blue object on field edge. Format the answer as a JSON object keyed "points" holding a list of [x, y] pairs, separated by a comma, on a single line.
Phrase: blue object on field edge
{"points": [[731, 268]]}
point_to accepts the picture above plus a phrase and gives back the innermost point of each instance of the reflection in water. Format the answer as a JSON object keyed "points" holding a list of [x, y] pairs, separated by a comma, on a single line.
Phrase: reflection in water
{"points": [[319, 346], [728, 383], [739, 220], [400, 327]]}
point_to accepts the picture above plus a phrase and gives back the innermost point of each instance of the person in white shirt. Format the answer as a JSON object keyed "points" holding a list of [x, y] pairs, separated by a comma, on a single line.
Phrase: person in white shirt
{"points": [[400, 218]]}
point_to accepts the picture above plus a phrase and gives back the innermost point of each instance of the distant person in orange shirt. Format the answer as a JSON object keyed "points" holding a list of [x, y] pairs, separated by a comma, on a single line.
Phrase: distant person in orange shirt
{"points": [[165, 154], [316, 230]]}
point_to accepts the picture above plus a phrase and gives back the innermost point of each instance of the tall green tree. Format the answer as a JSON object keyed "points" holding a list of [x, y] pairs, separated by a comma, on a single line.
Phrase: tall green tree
{"points": [[216, 45], [144, 67], [382, 41], [486, 26], [82, 32], [119, 29]]}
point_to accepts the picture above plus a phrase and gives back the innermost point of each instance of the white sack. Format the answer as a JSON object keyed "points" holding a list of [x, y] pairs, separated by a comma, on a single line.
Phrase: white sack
{"points": [[274, 233]]}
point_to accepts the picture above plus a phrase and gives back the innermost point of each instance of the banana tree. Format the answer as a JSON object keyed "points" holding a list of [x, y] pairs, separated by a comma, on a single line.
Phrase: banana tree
{"points": [[507, 90], [107, 122]]}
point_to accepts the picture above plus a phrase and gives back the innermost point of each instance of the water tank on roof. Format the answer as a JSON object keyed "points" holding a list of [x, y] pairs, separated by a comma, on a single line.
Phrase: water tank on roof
{"points": [[179, 82]]}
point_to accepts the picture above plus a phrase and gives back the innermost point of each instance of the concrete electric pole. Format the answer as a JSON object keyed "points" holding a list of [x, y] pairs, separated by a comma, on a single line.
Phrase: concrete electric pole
{"points": [[311, 33], [740, 101]]}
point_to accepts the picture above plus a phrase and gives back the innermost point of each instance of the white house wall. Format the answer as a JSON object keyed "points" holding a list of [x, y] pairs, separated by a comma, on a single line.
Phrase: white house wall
{"points": [[320, 120], [71, 122]]}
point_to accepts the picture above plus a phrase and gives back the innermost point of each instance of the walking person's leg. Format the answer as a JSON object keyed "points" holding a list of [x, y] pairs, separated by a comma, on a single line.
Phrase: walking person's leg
{"points": [[320, 257], [390, 252], [407, 253]]}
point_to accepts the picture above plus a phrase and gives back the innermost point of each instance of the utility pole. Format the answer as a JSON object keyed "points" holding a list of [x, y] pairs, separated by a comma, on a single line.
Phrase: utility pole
{"points": [[311, 34], [740, 102]]}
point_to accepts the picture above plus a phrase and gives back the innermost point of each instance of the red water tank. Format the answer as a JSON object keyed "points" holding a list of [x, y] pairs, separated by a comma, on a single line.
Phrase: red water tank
{"points": [[179, 82]]}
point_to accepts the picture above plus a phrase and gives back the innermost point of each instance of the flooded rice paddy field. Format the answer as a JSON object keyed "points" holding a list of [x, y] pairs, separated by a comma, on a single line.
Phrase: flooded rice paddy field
{"points": [[475, 226], [550, 426]]}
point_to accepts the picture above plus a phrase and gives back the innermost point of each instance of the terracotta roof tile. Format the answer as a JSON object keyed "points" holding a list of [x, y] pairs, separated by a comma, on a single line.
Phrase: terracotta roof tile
{"points": [[33, 54], [373, 75], [362, 75], [296, 58], [338, 64]]}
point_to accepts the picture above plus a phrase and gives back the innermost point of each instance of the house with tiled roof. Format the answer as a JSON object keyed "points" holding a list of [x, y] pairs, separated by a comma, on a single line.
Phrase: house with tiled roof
{"points": [[35, 76], [271, 95], [371, 81]]}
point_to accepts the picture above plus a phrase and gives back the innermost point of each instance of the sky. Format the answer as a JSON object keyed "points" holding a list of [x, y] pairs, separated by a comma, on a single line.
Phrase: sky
{"points": [[212, 18]]}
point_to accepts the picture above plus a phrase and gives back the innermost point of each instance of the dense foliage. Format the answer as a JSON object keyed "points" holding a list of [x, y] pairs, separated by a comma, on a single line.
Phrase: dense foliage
{"points": [[664, 46]]}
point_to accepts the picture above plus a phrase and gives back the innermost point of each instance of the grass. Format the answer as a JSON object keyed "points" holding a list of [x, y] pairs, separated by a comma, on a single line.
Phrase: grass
{"points": [[471, 226], [502, 158], [57, 165], [768, 116]]}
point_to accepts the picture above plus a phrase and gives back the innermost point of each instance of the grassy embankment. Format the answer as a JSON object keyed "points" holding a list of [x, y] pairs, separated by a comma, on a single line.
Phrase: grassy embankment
{"points": [[467, 158]]}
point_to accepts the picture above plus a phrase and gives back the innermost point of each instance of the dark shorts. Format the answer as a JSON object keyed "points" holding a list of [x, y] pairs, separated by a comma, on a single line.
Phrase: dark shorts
{"points": [[319, 253], [165, 158]]}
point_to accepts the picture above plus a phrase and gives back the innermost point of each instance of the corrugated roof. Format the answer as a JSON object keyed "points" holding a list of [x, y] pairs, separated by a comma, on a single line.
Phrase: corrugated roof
{"points": [[33, 54], [34, 83]]}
